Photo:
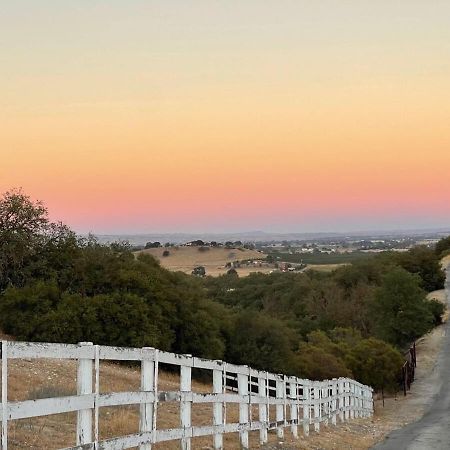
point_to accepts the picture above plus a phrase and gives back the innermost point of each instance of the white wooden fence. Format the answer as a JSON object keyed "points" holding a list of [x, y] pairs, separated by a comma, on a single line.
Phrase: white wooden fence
{"points": [[296, 402]]}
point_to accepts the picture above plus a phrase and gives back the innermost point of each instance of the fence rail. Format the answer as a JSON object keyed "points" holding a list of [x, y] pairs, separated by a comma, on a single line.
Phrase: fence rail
{"points": [[297, 402]]}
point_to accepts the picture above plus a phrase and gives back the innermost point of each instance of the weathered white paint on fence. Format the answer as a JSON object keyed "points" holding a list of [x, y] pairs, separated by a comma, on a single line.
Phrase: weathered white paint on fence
{"points": [[296, 401]]}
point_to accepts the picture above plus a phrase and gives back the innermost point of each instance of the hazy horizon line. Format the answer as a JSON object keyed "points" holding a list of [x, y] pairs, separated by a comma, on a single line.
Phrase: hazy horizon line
{"points": [[266, 232]]}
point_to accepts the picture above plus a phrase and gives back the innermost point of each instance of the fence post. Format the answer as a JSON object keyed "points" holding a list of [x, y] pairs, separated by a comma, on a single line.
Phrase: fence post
{"points": [[362, 410], [294, 407], [306, 406], [147, 385], [360, 401], [97, 394], [263, 393], [243, 407], [84, 386], [316, 397], [364, 402], [185, 405], [352, 400], [341, 404], [346, 399], [4, 439], [371, 407], [280, 393], [218, 408], [325, 401], [333, 401]]}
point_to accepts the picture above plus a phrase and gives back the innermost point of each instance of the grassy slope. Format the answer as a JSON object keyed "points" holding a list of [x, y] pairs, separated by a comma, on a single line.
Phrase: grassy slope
{"points": [[184, 259]]}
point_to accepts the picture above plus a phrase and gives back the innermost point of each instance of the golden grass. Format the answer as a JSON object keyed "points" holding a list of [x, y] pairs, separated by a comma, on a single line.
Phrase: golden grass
{"points": [[30, 379], [214, 259]]}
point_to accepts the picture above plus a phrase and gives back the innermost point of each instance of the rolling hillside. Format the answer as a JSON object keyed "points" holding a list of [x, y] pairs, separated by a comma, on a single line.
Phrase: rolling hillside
{"points": [[214, 259]]}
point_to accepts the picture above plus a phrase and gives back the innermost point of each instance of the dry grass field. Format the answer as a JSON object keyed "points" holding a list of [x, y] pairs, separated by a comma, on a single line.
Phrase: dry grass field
{"points": [[33, 379], [185, 259], [50, 378]]}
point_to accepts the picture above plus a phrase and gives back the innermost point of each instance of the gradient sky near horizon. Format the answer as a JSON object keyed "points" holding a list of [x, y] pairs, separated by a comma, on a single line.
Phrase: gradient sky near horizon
{"points": [[231, 115]]}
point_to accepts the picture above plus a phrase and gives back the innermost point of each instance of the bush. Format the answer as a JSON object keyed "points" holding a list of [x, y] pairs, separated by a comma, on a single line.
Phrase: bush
{"points": [[166, 253], [437, 309], [319, 358], [262, 343], [377, 364], [424, 262], [232, 272]]}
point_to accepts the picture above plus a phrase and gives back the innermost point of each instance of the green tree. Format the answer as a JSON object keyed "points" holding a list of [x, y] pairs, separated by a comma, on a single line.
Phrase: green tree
{"points": [[261, 342], [22, 310], [319, 358], [400, 310], [23, 223], [424, 262]]}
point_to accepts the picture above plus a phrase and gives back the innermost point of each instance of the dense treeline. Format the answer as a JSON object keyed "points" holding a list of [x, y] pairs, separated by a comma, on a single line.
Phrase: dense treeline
{"points": [[56, 286], [336, 324]]}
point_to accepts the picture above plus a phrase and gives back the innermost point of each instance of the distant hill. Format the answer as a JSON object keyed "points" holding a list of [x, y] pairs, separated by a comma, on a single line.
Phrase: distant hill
{"points": [[214, 259]]}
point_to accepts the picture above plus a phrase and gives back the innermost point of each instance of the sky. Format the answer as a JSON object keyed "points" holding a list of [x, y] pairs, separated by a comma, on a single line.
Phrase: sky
{"points": [[228, 115]]}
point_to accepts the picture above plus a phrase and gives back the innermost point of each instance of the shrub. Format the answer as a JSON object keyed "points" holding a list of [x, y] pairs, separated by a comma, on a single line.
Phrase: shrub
{"points": [[437, 309], [376, 363]]}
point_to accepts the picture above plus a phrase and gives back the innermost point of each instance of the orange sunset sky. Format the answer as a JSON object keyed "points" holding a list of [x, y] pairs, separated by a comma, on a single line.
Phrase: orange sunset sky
{"points": [[226, 115]]}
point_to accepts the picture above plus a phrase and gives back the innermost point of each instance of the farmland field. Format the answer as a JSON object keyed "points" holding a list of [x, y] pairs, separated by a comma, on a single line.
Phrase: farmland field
{"points": [[320, 258]]}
